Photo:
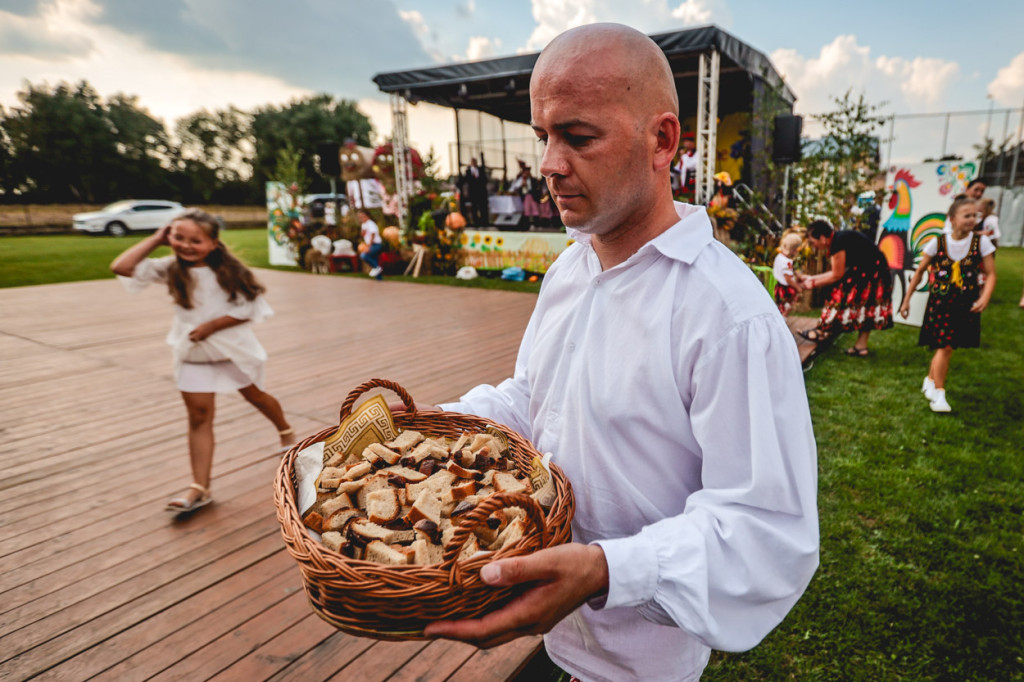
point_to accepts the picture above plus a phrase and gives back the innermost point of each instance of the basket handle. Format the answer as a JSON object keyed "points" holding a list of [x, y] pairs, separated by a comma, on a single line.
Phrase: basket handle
{"points": [[491, 504], [350, 401]]}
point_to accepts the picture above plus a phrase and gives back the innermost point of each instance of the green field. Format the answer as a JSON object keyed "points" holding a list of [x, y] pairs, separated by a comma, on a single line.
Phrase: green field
{"points": [[922, 514], [49, 259]]}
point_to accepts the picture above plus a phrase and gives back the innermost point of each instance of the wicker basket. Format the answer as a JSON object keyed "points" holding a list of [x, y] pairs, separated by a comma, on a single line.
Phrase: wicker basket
{"points": [[396, 602]]}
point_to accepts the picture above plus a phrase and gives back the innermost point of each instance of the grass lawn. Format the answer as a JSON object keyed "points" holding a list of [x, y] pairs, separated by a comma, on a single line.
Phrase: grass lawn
{"points": [[48, 259], [922, 514]]}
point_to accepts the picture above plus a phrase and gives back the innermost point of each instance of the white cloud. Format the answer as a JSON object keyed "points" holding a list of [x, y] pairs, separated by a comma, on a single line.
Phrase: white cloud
{"points": [[650, 16], [925, 79], [481, 47], [915, 85], [1007, 87], [693, 12], [416, 21], [167, 85]]}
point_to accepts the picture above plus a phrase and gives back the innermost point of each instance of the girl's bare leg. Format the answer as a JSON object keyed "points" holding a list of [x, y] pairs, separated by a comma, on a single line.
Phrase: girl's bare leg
{"points": [[200, 407], [271, 409], [940, 366], [862, 340]]}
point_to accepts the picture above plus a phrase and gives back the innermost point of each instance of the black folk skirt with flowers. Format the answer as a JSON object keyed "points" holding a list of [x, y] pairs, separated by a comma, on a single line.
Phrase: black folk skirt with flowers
{"points": [[861, 301]]}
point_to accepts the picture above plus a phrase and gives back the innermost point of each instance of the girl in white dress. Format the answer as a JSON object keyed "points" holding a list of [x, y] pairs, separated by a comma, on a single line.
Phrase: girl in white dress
{"points": [[216, 300]]}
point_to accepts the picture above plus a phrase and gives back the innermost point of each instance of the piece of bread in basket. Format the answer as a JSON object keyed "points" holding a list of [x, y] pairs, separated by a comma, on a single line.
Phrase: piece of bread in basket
{"points": [[389, 580]]}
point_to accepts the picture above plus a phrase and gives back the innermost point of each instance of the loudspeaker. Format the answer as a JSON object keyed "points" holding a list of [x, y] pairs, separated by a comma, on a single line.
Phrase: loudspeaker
{"points": [[786, 138], [508, 220], [327, 162]]}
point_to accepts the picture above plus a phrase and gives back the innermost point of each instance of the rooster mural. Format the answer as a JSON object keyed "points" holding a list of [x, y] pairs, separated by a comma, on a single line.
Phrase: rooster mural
{"points": [[893, 240]]}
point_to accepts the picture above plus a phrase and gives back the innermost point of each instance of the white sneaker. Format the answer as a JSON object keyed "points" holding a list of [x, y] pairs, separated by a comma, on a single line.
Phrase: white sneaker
{"points": [[376, 271], [928, 388], [938, 402]]}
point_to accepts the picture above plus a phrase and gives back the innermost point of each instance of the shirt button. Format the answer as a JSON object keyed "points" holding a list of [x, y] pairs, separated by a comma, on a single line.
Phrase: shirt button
{"points": [[572, 346]]}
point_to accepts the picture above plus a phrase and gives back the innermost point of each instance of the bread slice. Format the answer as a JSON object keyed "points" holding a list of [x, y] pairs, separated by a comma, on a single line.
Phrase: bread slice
{"points": [[376, 482], [339, 520], [368, 530], [439, 482], [356, 471], [427, 506], [383, 553], [463, 472], [505, 482], [405, 473], [382, 505], [427, 553], [330, 477], [314, 520], [333, 504], [375, 451], [513, 531], [460, 443], [334, 540], [405, 441]]}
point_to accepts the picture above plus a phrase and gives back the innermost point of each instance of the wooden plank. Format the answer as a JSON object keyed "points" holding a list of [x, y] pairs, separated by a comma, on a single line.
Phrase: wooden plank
{"points": [[279, 652], [163, 623], [91, 410], [499, 664], [59, 646], [380, 662], [438, 661]]}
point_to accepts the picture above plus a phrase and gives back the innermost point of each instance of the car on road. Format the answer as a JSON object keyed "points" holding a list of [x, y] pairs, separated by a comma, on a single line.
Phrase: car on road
{"points": [[122, 217]]}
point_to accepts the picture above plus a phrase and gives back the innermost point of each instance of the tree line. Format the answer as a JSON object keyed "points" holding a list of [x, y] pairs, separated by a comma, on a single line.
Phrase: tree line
{"points": [[66, 144]]}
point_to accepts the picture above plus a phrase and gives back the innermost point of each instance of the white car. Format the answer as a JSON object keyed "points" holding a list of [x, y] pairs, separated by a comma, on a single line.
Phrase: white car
{"points": [[120, 217]]}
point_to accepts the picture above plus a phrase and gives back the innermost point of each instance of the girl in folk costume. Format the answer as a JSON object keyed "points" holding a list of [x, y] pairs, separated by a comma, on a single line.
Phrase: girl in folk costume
{"points": [[216, 299], [787, 286], [952, 318], [861, 286]]}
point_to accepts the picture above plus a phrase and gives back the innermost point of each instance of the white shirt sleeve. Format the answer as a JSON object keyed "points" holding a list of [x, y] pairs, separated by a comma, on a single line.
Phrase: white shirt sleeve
{"points": [[986, 246], [750, 536], [992, 223], [148, 271], [931, 247]]}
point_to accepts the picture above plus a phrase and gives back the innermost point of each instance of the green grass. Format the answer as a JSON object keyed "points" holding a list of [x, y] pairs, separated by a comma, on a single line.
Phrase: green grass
{"points": [[922, 515], [49, 259]]}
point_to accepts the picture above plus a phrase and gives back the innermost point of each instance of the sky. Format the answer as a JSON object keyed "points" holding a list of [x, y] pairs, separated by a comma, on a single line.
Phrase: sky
{"points": [[182, 56]]}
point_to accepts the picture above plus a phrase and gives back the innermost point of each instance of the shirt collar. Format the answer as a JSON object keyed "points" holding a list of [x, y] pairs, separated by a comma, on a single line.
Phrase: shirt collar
{"points": [[682, 242]]}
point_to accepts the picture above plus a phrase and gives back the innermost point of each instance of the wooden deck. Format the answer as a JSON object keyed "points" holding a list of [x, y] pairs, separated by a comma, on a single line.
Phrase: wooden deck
{"points": [[97, 581]]}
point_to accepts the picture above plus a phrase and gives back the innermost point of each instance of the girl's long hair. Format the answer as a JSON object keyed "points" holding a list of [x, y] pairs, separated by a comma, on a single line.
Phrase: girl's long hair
{"points": [[232, 275]]}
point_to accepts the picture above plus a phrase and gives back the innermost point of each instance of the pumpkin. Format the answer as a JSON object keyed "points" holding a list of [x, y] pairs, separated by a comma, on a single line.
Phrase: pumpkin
{"points": [[455, 221]]}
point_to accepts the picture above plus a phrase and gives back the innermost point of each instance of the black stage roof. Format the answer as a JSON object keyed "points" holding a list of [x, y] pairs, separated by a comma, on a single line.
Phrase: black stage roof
{"points": [[501, 87]]}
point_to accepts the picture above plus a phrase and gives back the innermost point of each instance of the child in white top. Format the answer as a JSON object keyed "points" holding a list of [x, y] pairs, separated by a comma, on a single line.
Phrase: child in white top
{"points": [[216, 298], [787, 286], [989, 225], [956, 298]]}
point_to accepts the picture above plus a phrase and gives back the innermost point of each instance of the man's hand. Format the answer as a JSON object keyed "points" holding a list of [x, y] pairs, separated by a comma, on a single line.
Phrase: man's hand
{"points": [[562, 579]]}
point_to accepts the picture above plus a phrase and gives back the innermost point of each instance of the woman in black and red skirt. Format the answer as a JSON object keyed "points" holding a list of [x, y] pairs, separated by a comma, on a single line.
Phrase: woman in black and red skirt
{"points": [[861, 299]]}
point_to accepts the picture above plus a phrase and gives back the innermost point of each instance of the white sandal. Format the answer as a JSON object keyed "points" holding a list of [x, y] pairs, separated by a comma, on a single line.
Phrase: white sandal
{"points": [[182, 505]]}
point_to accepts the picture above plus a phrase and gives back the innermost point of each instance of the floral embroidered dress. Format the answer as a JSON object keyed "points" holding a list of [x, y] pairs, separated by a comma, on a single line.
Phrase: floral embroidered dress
{"points": [[862, 299], [952, 290]]}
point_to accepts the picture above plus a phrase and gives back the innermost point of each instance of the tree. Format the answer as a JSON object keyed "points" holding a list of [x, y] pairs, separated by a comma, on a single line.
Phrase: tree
{"points": [[301, 125], [64, 144], [216, 153], [842, 164]]}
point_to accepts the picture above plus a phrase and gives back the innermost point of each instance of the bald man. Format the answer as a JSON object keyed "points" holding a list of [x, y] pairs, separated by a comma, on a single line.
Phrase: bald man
{"points": [[659, 373]]}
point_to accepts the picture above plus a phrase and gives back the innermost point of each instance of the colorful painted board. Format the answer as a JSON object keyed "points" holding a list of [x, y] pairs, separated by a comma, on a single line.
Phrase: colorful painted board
{"points": [[920, 195], [531, 251]]}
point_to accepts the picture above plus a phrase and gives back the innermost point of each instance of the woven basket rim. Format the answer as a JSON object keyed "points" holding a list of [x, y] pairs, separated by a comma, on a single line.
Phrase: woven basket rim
{"points": [[350, 587]]}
